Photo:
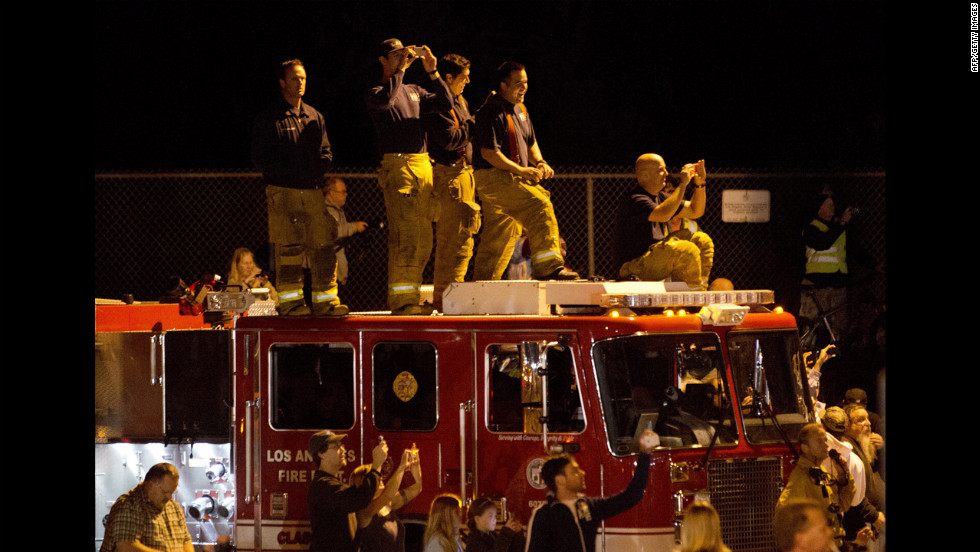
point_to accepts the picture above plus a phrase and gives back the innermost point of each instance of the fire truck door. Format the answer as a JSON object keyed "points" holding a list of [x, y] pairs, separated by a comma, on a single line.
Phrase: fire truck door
{"points": [[414, 386], [297, 383], [511, 405]]}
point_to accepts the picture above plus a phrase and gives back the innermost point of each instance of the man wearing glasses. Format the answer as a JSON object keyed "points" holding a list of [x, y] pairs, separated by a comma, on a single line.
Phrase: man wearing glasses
{"points": [[332, 503]]}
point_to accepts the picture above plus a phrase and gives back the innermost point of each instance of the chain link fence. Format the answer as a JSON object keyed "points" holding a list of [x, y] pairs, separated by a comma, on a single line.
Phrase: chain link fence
{"points": [[152, 227]]}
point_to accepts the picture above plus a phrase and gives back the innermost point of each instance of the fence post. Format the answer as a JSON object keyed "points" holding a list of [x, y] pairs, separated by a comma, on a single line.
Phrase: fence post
{"points": [[590, 221]]}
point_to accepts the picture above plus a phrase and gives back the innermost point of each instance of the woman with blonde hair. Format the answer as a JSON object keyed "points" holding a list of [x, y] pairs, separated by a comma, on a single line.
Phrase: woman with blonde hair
{"points": [[242, 271], [445, 520], [701, 531]]}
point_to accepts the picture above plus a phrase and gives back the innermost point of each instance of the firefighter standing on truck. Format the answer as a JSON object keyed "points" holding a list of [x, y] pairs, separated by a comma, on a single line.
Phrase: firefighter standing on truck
{"points": [[450, 144], [508, 170], [290, 147], [405, 177]]}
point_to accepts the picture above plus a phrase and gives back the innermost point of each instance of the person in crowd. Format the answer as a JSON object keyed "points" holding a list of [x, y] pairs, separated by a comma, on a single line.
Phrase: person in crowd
{"points": [[568, 520], [721, 284], [809, 479], [331, 503], [396, 110], [860, 436], [701, 531], [520, 266], [813, 374], [291, 148], [801, 526], [861, 512], [147, 517], [825, 271], [450, 135], [644, 247], [483, 535], [509, 168], [335, 197], [442, 528], [860, 397], [378, 527], [242, 271]]}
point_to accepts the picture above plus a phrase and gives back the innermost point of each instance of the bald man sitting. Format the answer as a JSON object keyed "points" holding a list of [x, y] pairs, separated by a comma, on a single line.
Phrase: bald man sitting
{"points": [[649, 242]]}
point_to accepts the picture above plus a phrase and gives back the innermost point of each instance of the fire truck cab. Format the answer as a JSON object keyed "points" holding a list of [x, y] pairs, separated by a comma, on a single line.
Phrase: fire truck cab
{"points": [[511, 373]]}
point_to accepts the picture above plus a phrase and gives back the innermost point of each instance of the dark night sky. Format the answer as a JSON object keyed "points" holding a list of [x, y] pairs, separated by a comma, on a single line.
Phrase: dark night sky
{"points": [[760, 84]]}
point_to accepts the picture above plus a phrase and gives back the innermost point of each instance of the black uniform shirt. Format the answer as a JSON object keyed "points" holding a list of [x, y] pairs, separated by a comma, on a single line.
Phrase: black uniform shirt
{"points": [[396, 110], [450, 133], [492, 132], [290, 146]]}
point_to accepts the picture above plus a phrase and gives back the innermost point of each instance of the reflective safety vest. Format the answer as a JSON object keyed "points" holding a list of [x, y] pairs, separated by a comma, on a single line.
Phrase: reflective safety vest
{"points": [[827, 261]]}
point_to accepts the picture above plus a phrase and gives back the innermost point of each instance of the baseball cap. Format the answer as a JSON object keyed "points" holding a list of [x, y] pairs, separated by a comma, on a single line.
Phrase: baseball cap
{"points": [[388, 46], [835, 419], [320, 440], [855, 395]]}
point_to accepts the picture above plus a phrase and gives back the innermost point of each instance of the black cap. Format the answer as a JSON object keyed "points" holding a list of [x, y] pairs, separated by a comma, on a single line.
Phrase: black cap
{"points": [[855, 396], [388, 46]]}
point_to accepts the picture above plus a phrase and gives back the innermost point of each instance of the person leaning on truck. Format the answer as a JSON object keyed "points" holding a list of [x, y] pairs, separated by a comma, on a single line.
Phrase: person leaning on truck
{"points": [[147, 518], [333, 504], [568, 520]]}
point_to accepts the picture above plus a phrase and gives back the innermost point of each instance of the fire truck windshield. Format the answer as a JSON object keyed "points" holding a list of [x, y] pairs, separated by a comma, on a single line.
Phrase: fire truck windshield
{"points": [[769, 383], [673, 383]]}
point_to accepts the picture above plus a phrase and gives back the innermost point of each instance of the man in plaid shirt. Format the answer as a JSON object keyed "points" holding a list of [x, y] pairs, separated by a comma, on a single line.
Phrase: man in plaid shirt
{"points": [[147, 518]]}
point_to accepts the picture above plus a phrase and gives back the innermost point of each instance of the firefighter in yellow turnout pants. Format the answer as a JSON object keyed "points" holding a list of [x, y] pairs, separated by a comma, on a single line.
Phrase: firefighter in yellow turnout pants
{"points": [[449, 136], [290, 147], [396, 110], [509, 168]]}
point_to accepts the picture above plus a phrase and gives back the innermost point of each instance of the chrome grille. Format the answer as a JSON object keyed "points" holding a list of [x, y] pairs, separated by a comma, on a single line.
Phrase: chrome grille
{"points": [[745, 492]]}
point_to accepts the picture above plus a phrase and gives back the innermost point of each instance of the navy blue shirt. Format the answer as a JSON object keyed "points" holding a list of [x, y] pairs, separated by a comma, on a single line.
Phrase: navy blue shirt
{"points": [[450, 134], [396, 110], [492, 132], [290, 146], [633, 233]]}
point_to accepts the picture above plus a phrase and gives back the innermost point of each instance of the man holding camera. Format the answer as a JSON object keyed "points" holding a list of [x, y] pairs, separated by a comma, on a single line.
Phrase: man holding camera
{"points": [[833, 490], [396, 109], [646, 247]]}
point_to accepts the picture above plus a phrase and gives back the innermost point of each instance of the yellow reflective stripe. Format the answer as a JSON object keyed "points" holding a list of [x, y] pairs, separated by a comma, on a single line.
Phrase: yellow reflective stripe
{"points": [[403, 288], [320, 297], [545, 255], [290, 295]]}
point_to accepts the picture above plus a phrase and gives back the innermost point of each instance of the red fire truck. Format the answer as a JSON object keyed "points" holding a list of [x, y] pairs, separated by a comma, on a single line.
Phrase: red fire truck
{"points": [[512, 372]]}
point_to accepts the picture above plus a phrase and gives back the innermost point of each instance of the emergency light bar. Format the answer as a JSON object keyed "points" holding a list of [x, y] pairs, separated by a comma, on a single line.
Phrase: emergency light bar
{"points": [[687, 299], [532, 297]]}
